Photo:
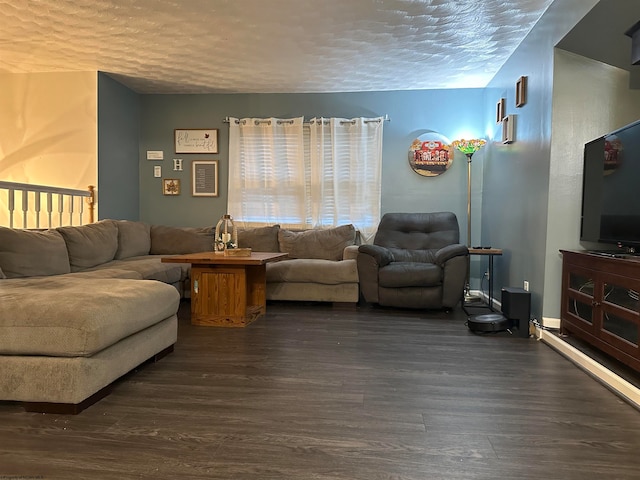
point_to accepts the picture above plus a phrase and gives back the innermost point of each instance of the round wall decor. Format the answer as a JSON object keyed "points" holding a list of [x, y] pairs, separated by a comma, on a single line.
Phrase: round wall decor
{"points": [[430, 154]]}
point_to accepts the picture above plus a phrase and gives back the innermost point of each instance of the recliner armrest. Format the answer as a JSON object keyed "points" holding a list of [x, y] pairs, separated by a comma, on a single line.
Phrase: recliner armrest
{"points": [[450, 251], [381, 255]]}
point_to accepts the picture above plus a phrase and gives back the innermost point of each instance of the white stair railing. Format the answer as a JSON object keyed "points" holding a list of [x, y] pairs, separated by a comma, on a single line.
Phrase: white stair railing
{"points": [[65, 199]]}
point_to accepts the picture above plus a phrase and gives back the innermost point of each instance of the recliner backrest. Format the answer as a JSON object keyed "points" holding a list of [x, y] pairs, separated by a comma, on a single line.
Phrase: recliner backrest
{"points": [[417, 231]]}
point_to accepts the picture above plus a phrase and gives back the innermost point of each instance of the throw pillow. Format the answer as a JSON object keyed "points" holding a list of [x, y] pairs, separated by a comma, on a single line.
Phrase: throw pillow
{"points": [[90, 245], [326, 244], [260, 239], [166, 240], [134, 239], [27, 253]]}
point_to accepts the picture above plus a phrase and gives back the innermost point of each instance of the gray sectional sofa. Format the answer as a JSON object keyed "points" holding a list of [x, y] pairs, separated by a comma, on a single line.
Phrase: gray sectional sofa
{"points": [[321, 265], [81, 306]]}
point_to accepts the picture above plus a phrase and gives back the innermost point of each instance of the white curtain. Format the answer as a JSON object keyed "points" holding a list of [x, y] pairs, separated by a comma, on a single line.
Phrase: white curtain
{"points": [[267, 171], [324, 174], [346, 164]]}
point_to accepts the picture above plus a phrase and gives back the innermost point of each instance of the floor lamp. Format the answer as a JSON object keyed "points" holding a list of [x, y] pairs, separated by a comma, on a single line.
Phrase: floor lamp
{"points": [[469, 147]]}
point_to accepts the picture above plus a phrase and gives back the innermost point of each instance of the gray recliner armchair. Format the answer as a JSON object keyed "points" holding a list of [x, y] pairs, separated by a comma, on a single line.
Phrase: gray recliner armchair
{"points": [[415, 261]]}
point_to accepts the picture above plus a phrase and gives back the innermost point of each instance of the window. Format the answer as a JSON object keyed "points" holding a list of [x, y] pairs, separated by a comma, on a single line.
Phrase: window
{"points": [[321, 174]]}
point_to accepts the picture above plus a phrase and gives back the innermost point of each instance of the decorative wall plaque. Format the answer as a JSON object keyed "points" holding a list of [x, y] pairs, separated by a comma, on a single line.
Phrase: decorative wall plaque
{"points": [[198, 140], [430, 154], [521, 91], [204, 178]]}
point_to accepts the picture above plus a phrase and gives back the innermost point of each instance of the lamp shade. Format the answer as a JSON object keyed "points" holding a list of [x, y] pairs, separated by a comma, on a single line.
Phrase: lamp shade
{"points": [[469, 147]]}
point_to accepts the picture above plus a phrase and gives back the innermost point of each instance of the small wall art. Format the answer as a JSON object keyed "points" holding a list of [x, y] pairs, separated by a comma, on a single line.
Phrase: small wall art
{"points": [[170, 186], [521, 91], [204, 178], [196, 141], [508, 126], [500, 110]]}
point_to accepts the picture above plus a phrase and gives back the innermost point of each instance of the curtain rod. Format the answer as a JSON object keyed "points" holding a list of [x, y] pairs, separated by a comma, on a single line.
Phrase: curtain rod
{"points": [[385, 119]]}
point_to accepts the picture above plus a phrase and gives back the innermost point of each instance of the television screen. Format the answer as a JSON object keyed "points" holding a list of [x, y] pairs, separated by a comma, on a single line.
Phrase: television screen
{"points": [[611, 187]]}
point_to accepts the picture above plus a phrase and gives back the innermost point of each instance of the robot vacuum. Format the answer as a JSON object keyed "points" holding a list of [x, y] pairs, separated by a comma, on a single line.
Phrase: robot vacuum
{"points": [[489, 323]]}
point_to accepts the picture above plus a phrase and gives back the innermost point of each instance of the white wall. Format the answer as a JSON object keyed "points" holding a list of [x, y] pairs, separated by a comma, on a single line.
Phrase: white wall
{"points": [[589, 99], [48, 130]]}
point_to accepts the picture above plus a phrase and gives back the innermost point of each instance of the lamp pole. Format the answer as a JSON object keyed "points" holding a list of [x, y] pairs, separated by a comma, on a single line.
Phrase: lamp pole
{"points": [[469, 155], [469, 147]]}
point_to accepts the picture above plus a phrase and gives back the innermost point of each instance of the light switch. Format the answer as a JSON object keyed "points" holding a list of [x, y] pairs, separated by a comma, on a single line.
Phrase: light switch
{"points": [[157, 171]]}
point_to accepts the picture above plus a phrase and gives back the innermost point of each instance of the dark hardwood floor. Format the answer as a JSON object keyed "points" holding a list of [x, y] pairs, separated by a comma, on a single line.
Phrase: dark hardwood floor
{"points": [[315, 392]]}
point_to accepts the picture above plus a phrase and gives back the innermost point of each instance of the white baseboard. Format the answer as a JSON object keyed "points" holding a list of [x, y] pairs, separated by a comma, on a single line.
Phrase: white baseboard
{"points": [[550, 322], [485, 298], [616, 383]]}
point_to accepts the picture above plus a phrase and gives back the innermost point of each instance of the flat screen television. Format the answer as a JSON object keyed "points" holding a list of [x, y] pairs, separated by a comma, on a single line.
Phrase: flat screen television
{"points": [[611, 189]]}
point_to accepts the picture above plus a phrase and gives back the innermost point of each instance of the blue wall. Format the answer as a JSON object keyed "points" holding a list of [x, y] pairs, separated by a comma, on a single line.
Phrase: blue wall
{"points": [[513, 207], [118, 136], [453, 113], [516, 203]]}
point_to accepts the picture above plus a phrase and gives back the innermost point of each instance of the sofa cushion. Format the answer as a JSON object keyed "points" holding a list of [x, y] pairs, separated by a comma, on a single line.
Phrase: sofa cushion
{"points": [[26, 253], [106, 273], [304, 270], [409, 274], [67, 316], [260, 239], [90, 245], [146, 267], [134, 238], [166, 240], [326, 244]]}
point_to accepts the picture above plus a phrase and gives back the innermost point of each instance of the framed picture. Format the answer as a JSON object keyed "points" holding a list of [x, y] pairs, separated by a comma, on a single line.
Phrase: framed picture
{"points": [[196, 140], [521, 91], [500, 110], [204, 178], [171, 186], [508, 129]]}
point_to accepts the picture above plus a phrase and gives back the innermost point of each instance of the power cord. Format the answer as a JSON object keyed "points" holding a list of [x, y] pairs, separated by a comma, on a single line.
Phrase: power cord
{"points": [[539, 325]]}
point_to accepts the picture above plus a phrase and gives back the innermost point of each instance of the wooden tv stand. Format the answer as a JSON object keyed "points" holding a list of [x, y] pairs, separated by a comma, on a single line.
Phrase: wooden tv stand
{"points": [[600, 302]]}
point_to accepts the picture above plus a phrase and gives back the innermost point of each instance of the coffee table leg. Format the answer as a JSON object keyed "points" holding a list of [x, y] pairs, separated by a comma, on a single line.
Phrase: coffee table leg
{"points": [[228, 295], [257, 287]]}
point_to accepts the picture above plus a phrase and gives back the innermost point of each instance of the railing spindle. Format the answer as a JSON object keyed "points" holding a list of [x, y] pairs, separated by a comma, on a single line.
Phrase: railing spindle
{"points": [[50, 208], [25, 207], [12, 205], [60, 207], [71, 202], [37, 208], [81, 206]]}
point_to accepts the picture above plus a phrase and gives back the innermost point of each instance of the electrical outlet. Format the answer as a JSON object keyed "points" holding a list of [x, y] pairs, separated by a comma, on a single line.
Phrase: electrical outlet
{"points": [[526, 285]]}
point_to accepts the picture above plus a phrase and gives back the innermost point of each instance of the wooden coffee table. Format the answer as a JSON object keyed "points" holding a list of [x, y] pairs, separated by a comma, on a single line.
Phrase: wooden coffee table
{"points": [[227, 291]]}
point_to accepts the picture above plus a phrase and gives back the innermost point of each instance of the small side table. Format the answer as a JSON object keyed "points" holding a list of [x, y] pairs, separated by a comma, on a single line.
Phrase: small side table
{"points": [[489, 252]]}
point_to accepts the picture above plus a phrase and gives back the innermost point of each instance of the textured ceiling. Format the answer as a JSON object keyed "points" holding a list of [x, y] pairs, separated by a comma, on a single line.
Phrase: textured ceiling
{"points": [[232, 46]]}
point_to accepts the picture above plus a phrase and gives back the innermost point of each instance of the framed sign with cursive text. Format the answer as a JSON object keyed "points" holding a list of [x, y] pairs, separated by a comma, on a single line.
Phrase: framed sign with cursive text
{"points": [[199, 140]]}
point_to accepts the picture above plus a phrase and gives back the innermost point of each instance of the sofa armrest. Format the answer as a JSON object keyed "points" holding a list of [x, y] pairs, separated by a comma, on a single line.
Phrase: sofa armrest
{"points": [[449, 252], [350, 252], [381, 255]]}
